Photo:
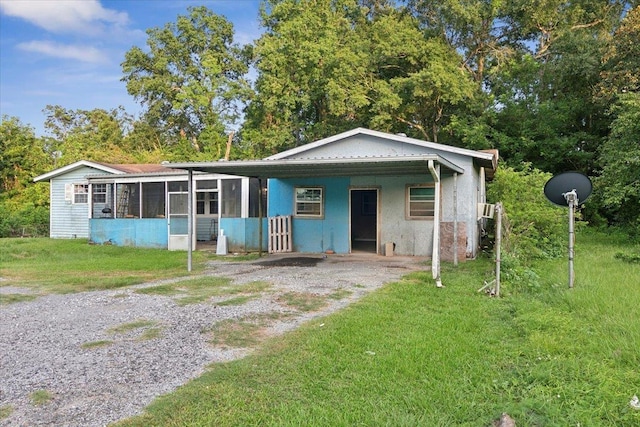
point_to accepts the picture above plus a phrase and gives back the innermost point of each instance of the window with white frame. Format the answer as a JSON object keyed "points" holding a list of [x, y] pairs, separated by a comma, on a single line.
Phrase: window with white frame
{"points": [[309, 201], [80, 193], [421, 201], [99, 193]]}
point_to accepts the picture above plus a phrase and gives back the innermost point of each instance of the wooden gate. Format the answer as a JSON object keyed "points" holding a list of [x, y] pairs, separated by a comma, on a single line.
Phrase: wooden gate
{"points": [[280, 239]]}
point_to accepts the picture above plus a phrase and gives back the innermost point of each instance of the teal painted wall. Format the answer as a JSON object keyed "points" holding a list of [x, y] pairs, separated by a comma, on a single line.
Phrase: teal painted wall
{"points": [[311, 234], [140, 232], [243, 234]]}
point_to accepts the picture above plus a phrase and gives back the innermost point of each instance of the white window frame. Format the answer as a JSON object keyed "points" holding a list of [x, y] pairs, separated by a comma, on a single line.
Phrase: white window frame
{"points": [[80, 194], [298, 203], [410, 202], [99, 197]]}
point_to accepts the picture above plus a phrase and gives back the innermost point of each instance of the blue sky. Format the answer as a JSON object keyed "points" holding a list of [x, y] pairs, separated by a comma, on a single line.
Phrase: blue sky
{"points": [[68, 52]]}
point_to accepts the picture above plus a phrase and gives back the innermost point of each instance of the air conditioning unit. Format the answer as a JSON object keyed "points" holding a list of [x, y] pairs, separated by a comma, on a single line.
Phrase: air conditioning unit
{"points": [[486, 210]]}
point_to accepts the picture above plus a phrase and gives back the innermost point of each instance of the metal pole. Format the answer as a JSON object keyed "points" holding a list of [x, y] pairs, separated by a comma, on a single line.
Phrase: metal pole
{"points": [[498, 244], [260, 216], [190, 220], [571, 199], [455, 219]]}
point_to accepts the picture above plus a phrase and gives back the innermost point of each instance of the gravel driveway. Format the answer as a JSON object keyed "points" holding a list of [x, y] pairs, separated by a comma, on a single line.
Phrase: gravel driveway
{"points": [[52, 345]]}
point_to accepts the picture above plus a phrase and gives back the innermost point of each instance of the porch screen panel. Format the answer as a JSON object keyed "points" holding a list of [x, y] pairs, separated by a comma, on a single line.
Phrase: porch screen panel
{"points": [[128, 200], [231, 198], [153, 200]]}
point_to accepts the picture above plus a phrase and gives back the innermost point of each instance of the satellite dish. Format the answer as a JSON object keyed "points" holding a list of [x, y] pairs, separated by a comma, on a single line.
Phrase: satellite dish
{"points": [[556, 188]]}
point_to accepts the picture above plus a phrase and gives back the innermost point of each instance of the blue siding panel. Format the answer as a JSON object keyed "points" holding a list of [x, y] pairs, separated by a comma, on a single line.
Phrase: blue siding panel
{"points": [[310, 234], [145, 233], [243, 234]]}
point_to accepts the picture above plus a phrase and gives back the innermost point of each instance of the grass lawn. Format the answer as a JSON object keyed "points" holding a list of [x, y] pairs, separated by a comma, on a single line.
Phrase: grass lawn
{"points": [[411, 354], [62, 266]]}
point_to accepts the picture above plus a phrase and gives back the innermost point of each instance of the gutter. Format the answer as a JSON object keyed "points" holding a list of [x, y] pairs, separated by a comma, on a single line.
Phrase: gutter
{"points": [[435, 257]]}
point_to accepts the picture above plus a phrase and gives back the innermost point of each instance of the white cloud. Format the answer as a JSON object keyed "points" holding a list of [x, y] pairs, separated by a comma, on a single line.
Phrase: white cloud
{"points": [[57, 50], [86, 17]]}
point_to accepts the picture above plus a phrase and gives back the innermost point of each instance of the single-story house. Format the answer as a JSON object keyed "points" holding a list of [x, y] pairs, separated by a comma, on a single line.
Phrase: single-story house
{"points": [[374, 191], [360, 190], [145, 205]]}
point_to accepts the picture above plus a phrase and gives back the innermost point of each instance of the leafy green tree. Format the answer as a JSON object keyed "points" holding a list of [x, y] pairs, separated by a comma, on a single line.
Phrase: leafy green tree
{"points": [[23, 205], [312, 67], [22, 156], [618, 186], [191, 80]]}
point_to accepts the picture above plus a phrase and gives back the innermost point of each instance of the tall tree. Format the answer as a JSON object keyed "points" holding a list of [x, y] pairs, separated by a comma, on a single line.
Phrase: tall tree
{"points": [[311, 68], [618, 185], [22, 156], [191, 79]]}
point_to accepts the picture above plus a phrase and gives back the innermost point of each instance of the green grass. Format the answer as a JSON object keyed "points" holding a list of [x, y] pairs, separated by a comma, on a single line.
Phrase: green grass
{"points": [[40, 397], [6, 299], [201, 289], [303, 301], [63, 266], [97, 344], [5, 411], [131, 326], [411, 354]]}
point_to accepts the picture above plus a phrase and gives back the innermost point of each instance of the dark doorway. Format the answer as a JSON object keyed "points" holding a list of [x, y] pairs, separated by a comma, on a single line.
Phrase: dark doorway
{"points": [[364, 221]]}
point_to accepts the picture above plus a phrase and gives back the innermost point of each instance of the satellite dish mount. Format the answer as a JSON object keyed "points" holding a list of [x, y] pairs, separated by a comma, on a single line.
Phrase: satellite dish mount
{"points": [[568, 189]]}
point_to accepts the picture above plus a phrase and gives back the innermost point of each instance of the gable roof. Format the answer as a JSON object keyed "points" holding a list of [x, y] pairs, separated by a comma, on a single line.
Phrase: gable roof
{"points": [[486, 159], [106, 168]]}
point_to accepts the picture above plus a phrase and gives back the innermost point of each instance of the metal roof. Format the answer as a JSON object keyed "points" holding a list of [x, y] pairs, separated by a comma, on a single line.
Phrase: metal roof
{"points": [[322, 167], [485, 158]]}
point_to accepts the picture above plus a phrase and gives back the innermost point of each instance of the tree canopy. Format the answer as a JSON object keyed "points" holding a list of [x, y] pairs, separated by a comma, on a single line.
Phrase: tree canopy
{"points": [[553, 85]]}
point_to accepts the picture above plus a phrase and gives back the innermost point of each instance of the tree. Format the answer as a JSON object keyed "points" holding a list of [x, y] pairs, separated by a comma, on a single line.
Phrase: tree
{"points": [[191, 80], [618, 186], [88, 134], [21, 156], [311, 68]]}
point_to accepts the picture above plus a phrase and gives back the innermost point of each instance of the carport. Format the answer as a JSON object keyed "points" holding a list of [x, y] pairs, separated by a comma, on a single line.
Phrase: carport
{"points": [[430, 166]]}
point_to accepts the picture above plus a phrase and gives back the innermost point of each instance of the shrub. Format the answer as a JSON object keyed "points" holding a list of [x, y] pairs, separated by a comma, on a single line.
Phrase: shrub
{"points": [[533, 227]]}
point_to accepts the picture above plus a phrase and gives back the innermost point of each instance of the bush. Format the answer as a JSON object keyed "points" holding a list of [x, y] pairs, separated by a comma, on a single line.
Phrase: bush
{"points": [[26, 220], [533, 227]]}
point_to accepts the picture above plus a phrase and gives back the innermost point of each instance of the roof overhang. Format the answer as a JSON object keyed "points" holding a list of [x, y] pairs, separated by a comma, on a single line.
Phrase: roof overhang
{"points": [[323, 167]]}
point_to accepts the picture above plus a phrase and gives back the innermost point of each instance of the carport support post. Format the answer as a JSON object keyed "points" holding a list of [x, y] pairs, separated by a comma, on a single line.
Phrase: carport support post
{"points": [[189, 220], [435, 257], [455, 219]]}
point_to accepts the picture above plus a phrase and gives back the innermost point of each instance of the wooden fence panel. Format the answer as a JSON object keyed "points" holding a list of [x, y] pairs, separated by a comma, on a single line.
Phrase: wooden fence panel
{"points": [[280, 236]]}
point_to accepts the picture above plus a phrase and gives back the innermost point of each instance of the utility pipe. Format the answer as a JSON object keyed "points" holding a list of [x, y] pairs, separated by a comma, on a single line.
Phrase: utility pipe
{"points": [[435, 258]]}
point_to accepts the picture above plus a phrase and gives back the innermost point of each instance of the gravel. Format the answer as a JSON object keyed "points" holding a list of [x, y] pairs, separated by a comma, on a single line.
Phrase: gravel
{"points": [[43, 342]]}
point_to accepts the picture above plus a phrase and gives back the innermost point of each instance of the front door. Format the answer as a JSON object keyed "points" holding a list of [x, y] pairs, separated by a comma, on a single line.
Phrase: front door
{"points": [[178, 221], [364, 220]]}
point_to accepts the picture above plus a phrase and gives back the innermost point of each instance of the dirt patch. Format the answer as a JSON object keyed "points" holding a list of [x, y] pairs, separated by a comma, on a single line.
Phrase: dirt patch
{"points": [[295, 261]]}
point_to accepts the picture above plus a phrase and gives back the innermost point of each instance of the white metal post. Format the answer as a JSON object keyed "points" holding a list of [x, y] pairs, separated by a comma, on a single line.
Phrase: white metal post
{"points": [[435, 257], [190, 220], [498, 213]]}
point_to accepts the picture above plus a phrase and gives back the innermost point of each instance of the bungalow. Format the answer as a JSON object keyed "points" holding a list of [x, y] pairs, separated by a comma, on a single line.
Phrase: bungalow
{"points": [[372, 191], [360, 190]]}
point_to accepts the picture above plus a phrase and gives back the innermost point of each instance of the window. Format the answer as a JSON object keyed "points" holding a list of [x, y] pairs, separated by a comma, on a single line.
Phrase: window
{"points": [[80, 193], [207, 202], [309, 201], [99, 193], [420, 201]]}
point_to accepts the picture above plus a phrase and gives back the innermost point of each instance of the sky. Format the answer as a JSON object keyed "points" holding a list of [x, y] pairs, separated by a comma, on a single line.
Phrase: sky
{"points": [[68, 52]]}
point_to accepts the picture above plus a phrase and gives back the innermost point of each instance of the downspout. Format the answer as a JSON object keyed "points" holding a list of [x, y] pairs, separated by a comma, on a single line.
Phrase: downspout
{"points": [[455, 219], [435, 257], [189, 220]]}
